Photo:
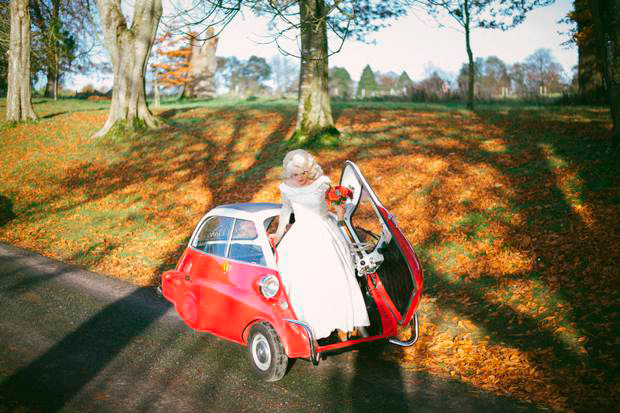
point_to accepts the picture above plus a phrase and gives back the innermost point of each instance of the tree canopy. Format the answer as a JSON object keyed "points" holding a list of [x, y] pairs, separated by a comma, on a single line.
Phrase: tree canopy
{"points": [[63, 39]]}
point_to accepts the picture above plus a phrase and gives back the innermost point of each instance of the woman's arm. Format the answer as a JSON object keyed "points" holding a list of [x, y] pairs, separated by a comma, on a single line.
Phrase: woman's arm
{"points": [[338, 209], [285, 217]]}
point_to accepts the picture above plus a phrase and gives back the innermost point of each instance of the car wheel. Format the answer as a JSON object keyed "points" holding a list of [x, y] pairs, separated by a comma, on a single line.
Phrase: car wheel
{"points": [[265, 352]]}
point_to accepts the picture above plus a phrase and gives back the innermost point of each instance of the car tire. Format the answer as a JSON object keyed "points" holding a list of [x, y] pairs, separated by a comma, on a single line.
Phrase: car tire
{"points": [[266, 353]]}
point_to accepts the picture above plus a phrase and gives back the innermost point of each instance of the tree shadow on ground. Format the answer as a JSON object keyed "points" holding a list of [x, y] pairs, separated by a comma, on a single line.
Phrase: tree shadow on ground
{"points": [[53, 115], [370, 378], [555, 175], [74, 361], [190, 153], [6, 210], [565, 245], [567, 224]]}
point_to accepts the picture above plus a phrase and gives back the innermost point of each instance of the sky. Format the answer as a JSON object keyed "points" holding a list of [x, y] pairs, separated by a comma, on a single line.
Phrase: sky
{"points": [[414, 43]]}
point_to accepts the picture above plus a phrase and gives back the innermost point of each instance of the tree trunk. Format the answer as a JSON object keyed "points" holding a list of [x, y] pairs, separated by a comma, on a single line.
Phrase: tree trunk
{"points": [[53, 74], [129, 50], [315, 124], [202, 66], [56, 81], [188, 84], [19, 94], [606, 21], [470, 58], [156, 94], [589, 73], [51, 88]]}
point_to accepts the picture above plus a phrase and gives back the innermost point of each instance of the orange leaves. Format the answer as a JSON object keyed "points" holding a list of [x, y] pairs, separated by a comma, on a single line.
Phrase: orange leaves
{"points": [[466, 324], [520, 253], [172, 60]]}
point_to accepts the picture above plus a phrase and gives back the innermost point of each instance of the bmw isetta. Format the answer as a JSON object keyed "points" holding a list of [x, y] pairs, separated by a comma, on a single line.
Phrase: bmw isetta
{"points": [[227, 281]]}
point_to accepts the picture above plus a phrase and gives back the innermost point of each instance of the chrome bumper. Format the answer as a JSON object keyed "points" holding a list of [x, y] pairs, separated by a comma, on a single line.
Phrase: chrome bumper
{"points": [[313, 356], [414, 334]]}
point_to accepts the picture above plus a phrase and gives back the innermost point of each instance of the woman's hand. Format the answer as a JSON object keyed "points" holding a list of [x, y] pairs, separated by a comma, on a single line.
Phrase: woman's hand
{"points": [[274, 238], [340, 211]]}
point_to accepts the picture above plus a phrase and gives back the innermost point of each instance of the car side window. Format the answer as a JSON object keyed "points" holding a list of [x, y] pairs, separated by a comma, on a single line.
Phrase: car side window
{"points": [[244, 244], [213, 236]]}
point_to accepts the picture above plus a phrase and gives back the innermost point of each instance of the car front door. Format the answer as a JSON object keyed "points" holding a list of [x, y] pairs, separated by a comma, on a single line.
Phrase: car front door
{"points": [[382, 249], [207, 274], [247, 258]]}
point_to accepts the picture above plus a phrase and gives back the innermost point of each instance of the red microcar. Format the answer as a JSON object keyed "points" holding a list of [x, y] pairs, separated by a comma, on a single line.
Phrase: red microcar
{"points": [[227, 281]]}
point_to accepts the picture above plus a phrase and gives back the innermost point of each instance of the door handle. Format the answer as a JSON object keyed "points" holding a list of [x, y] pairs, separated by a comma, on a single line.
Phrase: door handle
{"points": [[187, 278]]}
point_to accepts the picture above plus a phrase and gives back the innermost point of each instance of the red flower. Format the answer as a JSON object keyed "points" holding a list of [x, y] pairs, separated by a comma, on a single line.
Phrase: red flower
{"points": [[338, 194]]}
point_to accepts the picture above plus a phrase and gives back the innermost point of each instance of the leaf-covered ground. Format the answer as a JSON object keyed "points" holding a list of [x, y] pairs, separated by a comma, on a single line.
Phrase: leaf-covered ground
{"points": [[514, 213]]}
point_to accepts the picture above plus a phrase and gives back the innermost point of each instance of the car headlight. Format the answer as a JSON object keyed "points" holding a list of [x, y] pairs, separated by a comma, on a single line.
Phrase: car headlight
{"points": [[269, 285]]}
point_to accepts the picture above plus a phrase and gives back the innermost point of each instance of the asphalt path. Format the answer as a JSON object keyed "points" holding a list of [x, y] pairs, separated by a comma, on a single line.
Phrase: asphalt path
{"points": [[73, 340]]}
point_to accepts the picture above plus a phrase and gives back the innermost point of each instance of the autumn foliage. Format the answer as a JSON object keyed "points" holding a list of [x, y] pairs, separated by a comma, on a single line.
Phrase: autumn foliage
{"points": [[173, 60], [513, 213]]}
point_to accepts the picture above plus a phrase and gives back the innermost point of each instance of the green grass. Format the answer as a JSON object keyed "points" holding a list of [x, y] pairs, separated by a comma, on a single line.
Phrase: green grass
{"points": [[511, 209]]}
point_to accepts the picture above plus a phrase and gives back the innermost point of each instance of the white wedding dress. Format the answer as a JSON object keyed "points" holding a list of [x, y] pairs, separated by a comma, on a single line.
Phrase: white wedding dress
{"points": [[315, 263]]}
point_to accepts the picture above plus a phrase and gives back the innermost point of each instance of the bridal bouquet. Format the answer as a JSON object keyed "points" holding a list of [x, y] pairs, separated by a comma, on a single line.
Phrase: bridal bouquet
{"points": [[338, 195]]}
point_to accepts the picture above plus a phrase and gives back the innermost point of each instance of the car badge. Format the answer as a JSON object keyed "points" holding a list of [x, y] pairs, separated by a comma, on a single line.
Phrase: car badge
{"points": [[225, 266]]}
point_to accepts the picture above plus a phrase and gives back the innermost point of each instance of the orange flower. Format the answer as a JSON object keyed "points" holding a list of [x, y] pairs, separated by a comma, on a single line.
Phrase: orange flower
{"points": [[338, 194]]}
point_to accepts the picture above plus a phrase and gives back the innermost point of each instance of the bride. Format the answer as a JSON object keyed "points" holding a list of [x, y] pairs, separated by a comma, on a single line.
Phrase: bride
{"points": [[315, 262]]}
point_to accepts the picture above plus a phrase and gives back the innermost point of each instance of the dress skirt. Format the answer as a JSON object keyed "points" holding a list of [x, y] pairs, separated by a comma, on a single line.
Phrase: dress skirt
{"points": [[318, 274]]}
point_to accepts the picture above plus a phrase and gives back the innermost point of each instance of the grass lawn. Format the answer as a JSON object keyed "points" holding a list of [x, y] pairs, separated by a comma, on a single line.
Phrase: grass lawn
{"points": [[513, 211]]}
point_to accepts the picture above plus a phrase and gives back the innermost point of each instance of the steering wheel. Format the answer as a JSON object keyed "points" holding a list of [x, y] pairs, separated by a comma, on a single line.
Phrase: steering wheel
{"points": [[372, 235]]}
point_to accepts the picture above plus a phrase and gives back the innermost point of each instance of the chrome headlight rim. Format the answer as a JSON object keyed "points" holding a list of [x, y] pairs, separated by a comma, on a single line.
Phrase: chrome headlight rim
{"points": [[269, 286]]}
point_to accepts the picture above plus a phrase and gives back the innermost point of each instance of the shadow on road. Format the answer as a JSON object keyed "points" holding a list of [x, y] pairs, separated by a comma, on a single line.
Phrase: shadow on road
{"points": [[53, 379]]}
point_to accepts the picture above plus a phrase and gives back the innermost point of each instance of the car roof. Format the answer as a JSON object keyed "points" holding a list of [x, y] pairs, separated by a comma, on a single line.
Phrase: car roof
{"points": [[248, 210]]}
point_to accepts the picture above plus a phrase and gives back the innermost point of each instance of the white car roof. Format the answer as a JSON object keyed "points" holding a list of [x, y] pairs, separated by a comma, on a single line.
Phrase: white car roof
{"points": [[253, 211]]}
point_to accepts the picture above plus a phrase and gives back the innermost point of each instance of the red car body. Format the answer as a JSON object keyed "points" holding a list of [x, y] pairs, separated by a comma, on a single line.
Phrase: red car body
{"points": [[216, 286]]}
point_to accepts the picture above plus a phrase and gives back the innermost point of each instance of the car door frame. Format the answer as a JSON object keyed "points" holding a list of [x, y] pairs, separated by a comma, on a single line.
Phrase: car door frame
{"points": [[401, 244]]}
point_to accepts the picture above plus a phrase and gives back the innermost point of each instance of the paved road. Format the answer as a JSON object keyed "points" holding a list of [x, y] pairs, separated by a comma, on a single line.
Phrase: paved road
{"points": [[72, 340]]}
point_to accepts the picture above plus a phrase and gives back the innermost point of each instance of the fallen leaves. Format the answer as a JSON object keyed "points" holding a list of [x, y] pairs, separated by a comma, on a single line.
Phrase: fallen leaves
{"points": [[519, 247]]}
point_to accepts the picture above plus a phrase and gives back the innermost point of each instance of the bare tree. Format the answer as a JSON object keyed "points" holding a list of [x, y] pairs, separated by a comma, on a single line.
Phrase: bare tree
{"points": [[543, 73], [606, 21], [484, 14], [285, 73], [19, 95], [129, 48]]}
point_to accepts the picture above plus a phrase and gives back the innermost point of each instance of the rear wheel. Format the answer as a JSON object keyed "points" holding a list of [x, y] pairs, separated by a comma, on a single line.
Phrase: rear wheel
{"points": [[265, 353]]}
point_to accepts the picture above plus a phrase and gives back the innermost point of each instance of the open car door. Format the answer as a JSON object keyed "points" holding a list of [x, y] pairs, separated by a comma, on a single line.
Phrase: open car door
{"points": [[381, 248]]}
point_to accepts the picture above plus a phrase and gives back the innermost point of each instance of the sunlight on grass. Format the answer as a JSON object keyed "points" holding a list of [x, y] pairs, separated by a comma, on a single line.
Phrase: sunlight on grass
{"points": [[569, 182], [511, 211]]}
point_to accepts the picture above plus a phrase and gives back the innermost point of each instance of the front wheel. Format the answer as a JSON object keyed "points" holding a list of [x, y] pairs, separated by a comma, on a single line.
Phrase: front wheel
{"points": [[265, 352]]}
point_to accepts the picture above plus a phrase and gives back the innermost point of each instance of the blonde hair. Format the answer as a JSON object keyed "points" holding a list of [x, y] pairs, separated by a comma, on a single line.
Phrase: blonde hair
{"points": [[298, 161]]}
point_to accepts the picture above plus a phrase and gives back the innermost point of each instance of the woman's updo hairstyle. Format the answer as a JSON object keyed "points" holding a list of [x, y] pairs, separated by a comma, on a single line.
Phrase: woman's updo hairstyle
{"points": [[299, 161]]}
